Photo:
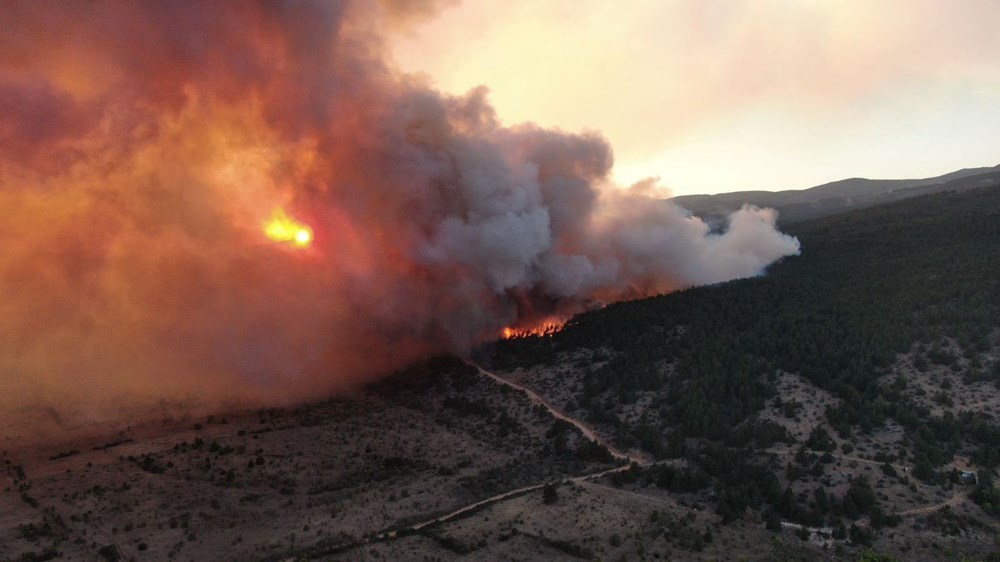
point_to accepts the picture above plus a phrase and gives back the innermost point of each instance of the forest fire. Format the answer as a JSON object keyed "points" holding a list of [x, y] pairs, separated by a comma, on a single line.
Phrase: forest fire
{"points": [[546, 327], [156, 138]]}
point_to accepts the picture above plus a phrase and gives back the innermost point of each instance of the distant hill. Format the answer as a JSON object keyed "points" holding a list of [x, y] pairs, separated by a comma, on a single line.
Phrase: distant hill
{"points": [[835, 197]]}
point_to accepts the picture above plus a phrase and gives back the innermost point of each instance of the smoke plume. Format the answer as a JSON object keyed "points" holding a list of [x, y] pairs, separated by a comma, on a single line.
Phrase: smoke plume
{"points": [[145, 145]]}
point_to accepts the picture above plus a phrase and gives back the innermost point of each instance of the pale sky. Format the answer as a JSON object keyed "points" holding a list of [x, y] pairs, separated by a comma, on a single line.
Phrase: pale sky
{"points": [[725, 95]]}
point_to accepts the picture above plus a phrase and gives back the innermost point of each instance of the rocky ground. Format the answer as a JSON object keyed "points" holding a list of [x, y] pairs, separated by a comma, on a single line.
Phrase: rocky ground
{"points": [[334, 480]]}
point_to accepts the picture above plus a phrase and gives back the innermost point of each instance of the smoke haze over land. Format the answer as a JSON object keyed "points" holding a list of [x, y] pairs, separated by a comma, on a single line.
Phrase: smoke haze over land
{"points": [[144, 145]]}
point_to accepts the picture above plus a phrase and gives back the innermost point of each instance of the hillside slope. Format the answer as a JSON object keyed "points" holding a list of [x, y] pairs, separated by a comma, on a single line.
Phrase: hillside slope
{"points": [[883, 337]]}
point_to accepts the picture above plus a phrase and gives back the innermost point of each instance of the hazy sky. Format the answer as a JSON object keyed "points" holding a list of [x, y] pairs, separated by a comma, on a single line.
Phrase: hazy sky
{"points": [[723, 95]]}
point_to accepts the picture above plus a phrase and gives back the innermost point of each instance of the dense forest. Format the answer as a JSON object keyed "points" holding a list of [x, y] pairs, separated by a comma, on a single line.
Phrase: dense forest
{"points": [[867, 286]]}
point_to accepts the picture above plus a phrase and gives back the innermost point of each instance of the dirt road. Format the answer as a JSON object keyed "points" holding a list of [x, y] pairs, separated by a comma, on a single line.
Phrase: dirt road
{"points": [[957, 497], [585, 429]]}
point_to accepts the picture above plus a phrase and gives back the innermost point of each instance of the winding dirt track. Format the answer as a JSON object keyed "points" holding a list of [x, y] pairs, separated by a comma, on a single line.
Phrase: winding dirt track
{"points": [[592, 435], [959, 496], [899, 467], [954, 499], [512, 493], [536, 398], [585, 429]]}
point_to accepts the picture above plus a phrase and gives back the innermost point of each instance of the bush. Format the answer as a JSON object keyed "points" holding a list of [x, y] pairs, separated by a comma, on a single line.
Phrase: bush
{"points": [[549, 494], [110, 553]]}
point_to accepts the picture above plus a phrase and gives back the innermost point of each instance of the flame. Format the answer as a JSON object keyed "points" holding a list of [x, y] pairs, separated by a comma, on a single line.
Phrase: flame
{"points": [[545, 327], [283, 228]]}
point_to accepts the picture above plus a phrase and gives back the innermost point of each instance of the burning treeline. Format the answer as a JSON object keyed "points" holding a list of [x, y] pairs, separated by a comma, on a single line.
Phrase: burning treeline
{"points": [[146, 149]]}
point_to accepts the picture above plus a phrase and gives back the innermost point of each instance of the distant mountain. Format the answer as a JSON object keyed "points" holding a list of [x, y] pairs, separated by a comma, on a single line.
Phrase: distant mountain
{"points": [[835, 197]]}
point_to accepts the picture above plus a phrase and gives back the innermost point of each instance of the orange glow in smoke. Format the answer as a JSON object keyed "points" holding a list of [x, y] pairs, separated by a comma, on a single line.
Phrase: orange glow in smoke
{"points": [[282, 228]]}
